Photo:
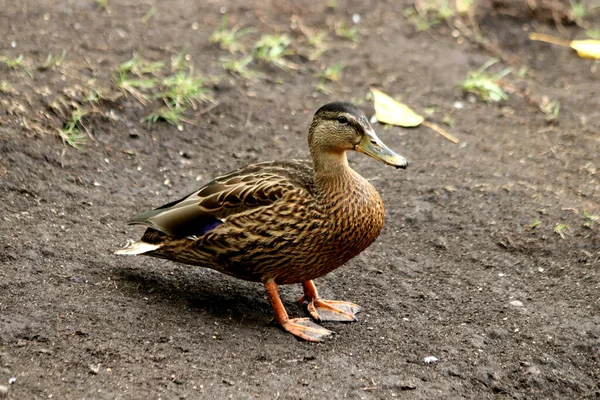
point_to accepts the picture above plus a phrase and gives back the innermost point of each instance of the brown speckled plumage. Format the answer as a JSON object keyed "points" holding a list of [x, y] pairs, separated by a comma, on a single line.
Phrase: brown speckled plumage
{"points": [[279, 222]]}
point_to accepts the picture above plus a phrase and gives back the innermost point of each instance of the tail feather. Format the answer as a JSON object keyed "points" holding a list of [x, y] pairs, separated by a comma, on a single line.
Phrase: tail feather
{"points": [[133, 248]]}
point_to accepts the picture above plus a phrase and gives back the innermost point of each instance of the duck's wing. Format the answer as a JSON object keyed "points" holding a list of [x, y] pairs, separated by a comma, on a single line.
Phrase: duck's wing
{"points": [[254, 186]]}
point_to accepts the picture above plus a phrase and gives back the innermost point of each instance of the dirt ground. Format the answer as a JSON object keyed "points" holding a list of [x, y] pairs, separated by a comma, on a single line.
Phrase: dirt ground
{"points": [[489, 260]]}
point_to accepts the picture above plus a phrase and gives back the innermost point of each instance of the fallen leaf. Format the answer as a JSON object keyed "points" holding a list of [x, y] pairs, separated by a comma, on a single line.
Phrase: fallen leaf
{"points": [[589, 48], [389, 111]]}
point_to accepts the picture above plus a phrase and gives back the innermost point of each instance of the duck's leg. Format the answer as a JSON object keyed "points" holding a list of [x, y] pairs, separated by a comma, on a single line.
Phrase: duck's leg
{"points": [[303, 328], [327, 310]]}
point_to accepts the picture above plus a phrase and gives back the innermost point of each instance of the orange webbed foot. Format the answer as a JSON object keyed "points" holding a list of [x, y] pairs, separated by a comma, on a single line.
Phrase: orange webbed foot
{"points": [[333, 310], [302, 328], [328, 310], [305, 329]]}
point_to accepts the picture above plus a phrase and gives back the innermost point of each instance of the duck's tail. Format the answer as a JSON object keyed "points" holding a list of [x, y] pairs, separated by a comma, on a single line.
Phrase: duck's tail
{"points": [[133, 248], [151, 241]]}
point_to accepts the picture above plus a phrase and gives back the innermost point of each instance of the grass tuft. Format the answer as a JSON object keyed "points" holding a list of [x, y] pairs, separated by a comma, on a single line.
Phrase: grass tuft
{"points": [[137, 87], [138, 66], [485, 85], [54, 61], [71, 133], [578, 11], [560, 230], [551, 108], [178, 89], [273, 49], [228, 39], [332, 73], [317, 41], [14, 63], [5, 87], [241, 67], [345, 32], [184, 88], [172, 115]]}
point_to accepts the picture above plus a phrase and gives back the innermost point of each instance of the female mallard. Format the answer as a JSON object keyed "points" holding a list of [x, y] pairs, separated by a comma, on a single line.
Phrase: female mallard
{"points": [[282, 222]]}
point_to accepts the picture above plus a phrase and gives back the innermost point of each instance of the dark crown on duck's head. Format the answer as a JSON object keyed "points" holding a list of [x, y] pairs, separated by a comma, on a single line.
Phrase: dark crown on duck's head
{"points": [[336, 109]]}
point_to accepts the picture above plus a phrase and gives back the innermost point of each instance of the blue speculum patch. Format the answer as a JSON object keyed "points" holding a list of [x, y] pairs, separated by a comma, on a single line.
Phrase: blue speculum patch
{"points": [[209, 226]]}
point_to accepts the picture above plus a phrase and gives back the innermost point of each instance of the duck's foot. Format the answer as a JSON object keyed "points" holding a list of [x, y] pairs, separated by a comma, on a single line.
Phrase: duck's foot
{"points": [[333, 310], [327, 310], [304, 328]]}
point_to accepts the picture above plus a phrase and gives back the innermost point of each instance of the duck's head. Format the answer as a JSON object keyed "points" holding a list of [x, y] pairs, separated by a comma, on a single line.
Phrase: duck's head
{"points": [[338, 127]]}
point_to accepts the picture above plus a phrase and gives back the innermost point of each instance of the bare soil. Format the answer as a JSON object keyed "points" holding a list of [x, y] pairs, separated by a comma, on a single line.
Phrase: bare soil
{"points": [[470, 267]]}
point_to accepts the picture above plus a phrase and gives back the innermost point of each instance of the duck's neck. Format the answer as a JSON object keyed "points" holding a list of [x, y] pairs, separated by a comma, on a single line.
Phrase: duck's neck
{"points": [[333, 174]]}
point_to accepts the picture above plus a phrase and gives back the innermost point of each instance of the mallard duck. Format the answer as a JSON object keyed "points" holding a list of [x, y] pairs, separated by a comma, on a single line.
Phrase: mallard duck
{"points": [[281, 222]]}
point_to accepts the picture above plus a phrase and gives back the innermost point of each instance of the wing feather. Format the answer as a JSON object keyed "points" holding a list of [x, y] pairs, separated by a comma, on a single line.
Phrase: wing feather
{"points": [[247, 188]]}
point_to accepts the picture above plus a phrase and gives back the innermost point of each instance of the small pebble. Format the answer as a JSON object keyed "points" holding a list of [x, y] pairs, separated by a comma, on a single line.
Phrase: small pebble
{"points": [[430, 360], [533, 370], [12, 380], [94, 369], [516, 303]]}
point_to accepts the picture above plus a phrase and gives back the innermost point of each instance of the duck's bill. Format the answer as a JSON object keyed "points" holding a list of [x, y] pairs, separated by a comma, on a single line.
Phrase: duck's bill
{"points": [[372, 146]]}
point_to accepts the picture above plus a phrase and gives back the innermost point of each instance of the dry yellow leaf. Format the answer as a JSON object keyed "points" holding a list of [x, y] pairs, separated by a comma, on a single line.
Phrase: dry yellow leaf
{"points": [[389, 111], [585, 48]]}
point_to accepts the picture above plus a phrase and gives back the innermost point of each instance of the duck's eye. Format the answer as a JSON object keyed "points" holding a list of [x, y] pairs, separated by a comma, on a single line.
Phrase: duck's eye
{"points": [[342, 120]]}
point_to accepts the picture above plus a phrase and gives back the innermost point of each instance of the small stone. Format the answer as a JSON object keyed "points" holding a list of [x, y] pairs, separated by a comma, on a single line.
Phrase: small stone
{"points": [[94, 369], [430, 360], [407, 385], [12, 380], [3, 391], [533, 370], [516, 303]]}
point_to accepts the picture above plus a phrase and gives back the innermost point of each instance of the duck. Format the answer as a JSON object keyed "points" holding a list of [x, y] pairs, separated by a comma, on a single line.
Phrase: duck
{"points": [[281, 222]]}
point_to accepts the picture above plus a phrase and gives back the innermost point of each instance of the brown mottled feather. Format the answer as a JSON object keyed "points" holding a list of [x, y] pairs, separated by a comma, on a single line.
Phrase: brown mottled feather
{"points": [[292, 232]]}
